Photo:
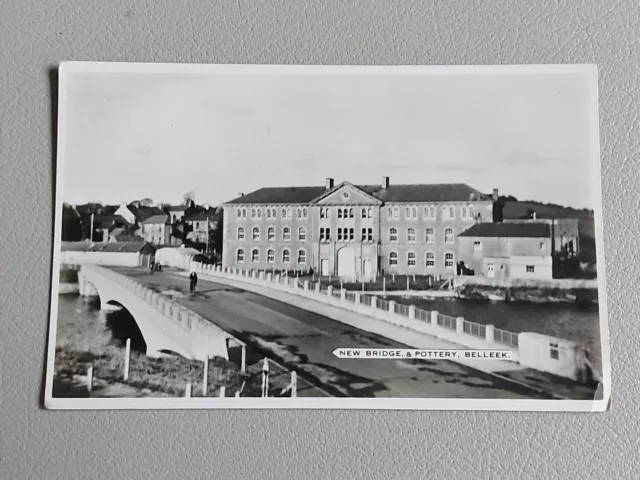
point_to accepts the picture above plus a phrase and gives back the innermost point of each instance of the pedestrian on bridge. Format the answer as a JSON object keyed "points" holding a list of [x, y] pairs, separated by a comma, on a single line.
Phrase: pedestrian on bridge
{"points": [[193, 280]]}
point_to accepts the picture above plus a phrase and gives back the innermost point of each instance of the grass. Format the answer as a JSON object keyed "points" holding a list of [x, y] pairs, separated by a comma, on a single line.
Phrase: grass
{"points": [[166, 375]]}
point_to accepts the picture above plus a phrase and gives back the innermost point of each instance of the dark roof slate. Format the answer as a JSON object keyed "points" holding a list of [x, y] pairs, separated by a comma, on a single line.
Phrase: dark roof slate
{"points": [[451, 192], [513, 230]]}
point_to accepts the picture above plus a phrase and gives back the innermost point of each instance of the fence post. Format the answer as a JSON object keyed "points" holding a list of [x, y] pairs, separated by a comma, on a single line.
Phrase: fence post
{"points": [[392, 306], [318, 286], [294, 384], [374, 302], [356, 298], [237, 393], [330, 291], [127, 356], [412, 312], [222, 391], [265, 378], [187, 390], [459, 325], [434, 318], [489, 333], [407, 284], [384, 284], [243, 358], [89, 379], [205, 377], [343, 294], [306, 285], [393, 278]]}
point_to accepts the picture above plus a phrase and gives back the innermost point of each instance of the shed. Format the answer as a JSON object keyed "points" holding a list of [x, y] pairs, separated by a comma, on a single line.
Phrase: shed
{"points": [[177, 257]]}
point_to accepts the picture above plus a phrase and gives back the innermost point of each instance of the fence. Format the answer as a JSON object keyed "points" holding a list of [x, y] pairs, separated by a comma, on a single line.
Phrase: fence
{"points": [[505, 337], [443, 326]]}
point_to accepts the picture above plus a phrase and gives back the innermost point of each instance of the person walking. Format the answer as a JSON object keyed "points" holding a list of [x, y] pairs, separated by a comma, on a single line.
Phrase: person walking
{"points": [[193, 280]]}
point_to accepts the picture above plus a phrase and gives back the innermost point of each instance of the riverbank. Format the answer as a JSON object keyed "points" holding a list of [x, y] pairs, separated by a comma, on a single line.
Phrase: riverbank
{"points": [[163, 376], [529, 294]]}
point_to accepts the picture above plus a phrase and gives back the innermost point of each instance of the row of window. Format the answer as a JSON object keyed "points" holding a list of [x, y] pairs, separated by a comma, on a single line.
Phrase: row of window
{"points": [[269, 212], [271, 234], [347, 234], [430, 212], [429, 235], [271, 256], [430, 259]]}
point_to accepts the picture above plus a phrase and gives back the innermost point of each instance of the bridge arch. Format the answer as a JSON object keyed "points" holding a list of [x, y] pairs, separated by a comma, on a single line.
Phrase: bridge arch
{"points": [[123, 325]]}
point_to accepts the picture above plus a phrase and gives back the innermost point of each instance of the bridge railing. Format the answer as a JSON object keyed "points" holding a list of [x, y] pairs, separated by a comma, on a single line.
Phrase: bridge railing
{"points": [[455, 329]]}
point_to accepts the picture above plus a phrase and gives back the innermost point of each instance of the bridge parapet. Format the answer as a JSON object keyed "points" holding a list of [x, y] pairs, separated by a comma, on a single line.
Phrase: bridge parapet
{"points": [[454, 329], [205, 335]]}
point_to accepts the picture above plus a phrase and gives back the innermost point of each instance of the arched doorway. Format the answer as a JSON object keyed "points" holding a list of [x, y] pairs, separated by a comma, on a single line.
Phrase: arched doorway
{"points": [[346, 262]]}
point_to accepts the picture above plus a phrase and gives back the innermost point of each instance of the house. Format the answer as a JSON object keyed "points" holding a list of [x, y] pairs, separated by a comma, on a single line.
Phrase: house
{"points": [[347, 230], [71, 224], [157, 230], [135, 214], [506, 250], [178, 212], [202, 225]]}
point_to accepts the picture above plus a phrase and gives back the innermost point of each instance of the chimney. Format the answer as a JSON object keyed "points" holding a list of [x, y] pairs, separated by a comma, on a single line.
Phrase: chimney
{"points": [[329, 184], [495, 194], [385, 182]]}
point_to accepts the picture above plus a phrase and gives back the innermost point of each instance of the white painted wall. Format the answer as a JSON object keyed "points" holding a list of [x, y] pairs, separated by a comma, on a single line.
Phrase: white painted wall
{"points": [[543, 267], [534, 350], [123, 259], [125, 213]]}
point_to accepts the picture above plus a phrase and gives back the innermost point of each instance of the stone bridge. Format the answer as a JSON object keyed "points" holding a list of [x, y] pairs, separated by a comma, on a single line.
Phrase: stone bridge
{"points": [[164, 323]]}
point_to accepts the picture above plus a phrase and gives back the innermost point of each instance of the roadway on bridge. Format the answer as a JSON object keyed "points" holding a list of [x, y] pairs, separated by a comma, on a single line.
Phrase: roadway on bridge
{"points": [[306, 340]]}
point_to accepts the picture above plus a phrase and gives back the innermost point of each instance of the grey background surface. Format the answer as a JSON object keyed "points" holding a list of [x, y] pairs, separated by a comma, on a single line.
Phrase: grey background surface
{"points": [[35, 36]]}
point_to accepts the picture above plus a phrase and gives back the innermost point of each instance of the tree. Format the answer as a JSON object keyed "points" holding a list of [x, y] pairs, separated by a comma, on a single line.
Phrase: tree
{"points": [[188, 197], [215, 236]]}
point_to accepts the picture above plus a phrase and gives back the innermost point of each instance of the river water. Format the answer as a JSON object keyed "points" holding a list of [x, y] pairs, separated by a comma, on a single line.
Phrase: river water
{"points": [[563, 320]]}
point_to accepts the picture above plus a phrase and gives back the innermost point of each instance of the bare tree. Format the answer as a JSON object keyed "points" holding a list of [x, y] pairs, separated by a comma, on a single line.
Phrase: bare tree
{"points": [[188, 197]]}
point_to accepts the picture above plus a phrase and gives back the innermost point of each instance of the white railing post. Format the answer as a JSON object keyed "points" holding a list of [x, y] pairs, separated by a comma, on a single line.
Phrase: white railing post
{"points": [[318, 287], [374, 302], [187, 391], [294, 384], [127, 357], [489, 333], [392, 306], [306, 285], [330, 291], [222, 392], [434, 318], [205, 376], [265, 378], [459, 325], [356, 299], [412, 312], [243, 358], [89, 379], [343, 294]]}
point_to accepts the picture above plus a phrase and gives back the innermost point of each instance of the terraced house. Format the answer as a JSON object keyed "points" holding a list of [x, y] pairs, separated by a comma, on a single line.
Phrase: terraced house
{"points": [[353, 231]]}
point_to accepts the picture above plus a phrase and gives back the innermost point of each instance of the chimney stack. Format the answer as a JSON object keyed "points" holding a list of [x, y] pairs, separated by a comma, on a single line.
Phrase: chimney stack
{"points": [[385, 182], [495, 195], [329, 184]]}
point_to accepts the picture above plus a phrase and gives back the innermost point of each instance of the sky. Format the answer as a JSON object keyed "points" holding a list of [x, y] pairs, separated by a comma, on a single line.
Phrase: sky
{"points": [[129, 136]]}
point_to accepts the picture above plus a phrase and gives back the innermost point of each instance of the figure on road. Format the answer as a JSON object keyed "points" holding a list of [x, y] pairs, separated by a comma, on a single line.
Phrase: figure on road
{"points": [[193, 280]]}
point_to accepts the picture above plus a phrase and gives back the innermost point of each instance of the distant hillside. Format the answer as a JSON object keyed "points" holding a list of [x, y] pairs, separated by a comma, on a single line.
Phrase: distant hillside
{"points": [[523, 209]]}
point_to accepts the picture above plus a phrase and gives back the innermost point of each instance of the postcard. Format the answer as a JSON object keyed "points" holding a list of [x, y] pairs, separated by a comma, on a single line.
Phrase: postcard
{"points": [[341, 237]]}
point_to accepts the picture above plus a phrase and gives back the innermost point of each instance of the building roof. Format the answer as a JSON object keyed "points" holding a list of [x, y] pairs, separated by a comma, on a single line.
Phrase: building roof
{"points": [[177, 208], [132, 247], [519, 230], [202, 216], [162, 218], [142, 213], [418, 193]]}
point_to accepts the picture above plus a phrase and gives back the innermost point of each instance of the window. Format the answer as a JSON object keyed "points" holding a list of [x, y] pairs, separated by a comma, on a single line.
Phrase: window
{"points": [[411, 213], [367, 234], [325, 234], [431, 260], [477, 246], [244, 213], [271, 256], [268, 213], [273, 213], [271, 234], [298, 212], [286, 234], [530, 269], [240, 255], [259, 212], [302, 234], [255, 256], [323, 212], [411, 259], [541, 245], [363, 213], [339, 214], [448, 235], [554, 351], [464, 212], [339, 229], [393, 259], [304, 213], [411, 235], [289, 213], [253, 213], [350, 213], [452, 213], [448, 260], [256, 234], [286, 256], [393, 234], [240, 233], [471, 212], [448, 213], [430, 236], [302, 256], [394, 212], [369, 213], [284, 213], [238, 213]]}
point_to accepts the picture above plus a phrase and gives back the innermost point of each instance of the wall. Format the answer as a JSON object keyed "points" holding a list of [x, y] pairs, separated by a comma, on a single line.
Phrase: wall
{"points": [[248, 444]]}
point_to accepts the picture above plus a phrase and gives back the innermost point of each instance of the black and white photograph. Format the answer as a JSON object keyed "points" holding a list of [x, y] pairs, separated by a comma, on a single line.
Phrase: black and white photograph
{"points": [[258, 236]]}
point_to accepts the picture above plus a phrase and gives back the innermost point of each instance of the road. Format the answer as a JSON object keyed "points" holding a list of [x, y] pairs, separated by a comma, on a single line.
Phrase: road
{"points": [[305, 341]]}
